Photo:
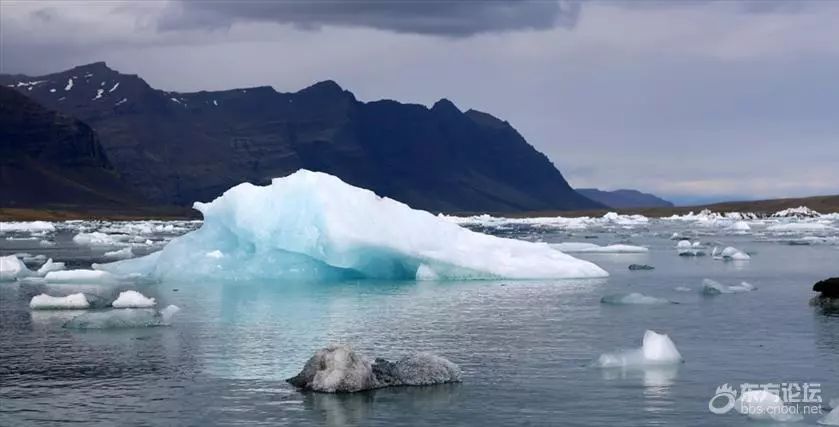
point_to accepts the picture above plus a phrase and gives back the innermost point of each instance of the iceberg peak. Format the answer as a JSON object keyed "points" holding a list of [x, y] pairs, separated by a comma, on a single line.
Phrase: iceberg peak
{"points": [[312, 225]]}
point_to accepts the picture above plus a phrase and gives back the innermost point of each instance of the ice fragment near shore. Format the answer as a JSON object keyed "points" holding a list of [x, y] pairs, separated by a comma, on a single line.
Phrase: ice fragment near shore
{"points": [[656, 349], [47, 302]]}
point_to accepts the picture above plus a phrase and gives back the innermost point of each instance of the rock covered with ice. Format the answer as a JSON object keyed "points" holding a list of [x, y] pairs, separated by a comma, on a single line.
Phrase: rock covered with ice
{"points": [[311, 225], [765, 406], [123, 318], [656, 349], [70, 302], [633, 298], [339, 369], [132, 299]]}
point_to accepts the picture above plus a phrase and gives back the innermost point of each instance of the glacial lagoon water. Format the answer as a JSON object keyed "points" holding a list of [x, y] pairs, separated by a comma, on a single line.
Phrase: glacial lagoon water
{"points": [[527, 348]]}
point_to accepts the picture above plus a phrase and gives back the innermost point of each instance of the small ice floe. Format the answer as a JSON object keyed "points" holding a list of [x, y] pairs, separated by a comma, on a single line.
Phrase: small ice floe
{"points": [[123, 318], [49, 266], [121, 101], [633, 298], [12, 268], [575, 247], [640, 267], [338, 368], [766, 406], [686, 248], [79, 276], [69, 302], [832, 417], [123, 253], [94, 239], [732, 254], [132, 299], [656, 349], [712, 287], [682, 289], [799, 227], [26, 226], [740, 227]]}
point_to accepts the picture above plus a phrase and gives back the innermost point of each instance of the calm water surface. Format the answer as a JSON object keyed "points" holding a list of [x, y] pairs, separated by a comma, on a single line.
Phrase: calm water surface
{"points": [[526, 347]]}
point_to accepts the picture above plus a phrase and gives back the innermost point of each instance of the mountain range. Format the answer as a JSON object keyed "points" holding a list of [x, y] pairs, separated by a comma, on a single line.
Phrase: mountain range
{"points": [[176, 148], [624, 199]]}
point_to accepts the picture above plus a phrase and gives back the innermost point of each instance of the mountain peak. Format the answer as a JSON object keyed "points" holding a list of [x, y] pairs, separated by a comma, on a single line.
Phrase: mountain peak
{"points": [[445, 106], [94, 66]]}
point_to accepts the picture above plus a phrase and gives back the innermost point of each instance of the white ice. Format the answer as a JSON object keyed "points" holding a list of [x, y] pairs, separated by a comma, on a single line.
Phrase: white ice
{"points": [[712, 287], [656, 349], [217, 254], [69, 85], [70, 302], [765, 406], [123, 253], [12, 268], [26, 226], [734, 254], [132, 299], [79, 276], [49, 266], [633, 298], [99, 93], [311, 225], [575, 247], [799, 227]]}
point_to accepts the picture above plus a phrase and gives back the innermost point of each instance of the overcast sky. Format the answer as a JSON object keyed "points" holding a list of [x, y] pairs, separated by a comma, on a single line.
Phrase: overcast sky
{"points": [[692, 100]]}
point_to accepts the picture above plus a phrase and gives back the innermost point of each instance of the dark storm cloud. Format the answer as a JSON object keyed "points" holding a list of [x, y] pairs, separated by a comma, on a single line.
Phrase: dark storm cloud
{"points": [[436, 17]]}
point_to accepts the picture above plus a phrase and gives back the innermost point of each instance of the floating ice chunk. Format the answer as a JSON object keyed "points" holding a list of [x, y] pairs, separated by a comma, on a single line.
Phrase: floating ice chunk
{"points": [[123, 318], [832, 418], [574, 247], [26, 226], [712, 287], [764, 405], [338, 368], [79, 276], [656, 349], [799, 227], [70, 302], [12, 268], [94, 239], [734, 254], [740, 227], [311, 225], [123, 253], [215, 254], [633, 298], [684, 244], [113, 88], [132, 299], [682, 289], [50, 266]]}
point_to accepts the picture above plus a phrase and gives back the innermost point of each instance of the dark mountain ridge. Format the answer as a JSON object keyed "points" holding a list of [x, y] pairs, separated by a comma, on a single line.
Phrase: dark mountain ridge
{"points": [[48, 159], [621, 199], [181, 147]]}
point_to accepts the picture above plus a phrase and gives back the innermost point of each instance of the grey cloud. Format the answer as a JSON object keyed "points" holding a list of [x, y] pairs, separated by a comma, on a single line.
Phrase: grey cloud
{"points": [[434, 17]]}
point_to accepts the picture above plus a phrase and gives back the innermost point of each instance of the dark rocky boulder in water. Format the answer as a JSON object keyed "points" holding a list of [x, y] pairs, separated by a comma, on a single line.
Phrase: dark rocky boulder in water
{"points": [[641, 267], [339, 369], [829, 288]]}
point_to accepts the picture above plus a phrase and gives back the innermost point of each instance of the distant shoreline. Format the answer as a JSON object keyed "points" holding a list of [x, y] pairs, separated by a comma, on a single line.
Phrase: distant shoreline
{"points": [[822, 204]]}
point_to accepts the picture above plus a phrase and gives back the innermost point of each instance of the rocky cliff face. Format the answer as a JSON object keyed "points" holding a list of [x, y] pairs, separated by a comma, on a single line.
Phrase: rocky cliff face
{"points": [[181, 147], [49, 159], [624, 199]]}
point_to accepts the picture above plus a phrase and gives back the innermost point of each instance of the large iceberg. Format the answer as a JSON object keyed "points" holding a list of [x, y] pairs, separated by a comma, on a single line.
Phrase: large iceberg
{"points": [[311, 225]]}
